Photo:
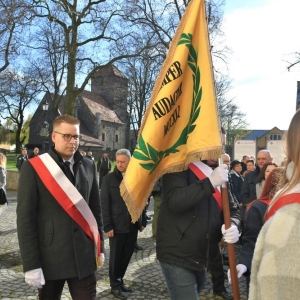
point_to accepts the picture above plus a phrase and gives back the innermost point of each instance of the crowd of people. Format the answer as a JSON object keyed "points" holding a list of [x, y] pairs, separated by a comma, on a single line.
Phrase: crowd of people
{"points": [[68, 204]]}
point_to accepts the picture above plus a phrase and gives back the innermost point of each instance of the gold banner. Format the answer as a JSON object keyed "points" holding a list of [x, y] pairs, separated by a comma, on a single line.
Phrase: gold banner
{"points": [[181, 123]]}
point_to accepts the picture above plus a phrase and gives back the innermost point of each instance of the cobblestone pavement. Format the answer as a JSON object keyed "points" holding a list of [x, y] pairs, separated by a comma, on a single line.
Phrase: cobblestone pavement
{"points": [[143, 274]]}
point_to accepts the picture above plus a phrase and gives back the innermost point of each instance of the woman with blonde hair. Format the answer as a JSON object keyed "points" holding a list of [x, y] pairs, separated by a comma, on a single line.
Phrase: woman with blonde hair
{"points": [[3, 201], [275, 266]]}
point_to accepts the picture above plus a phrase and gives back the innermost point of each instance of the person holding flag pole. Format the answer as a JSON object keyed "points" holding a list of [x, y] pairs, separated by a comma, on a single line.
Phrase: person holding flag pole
{"points": [[181, 126]]}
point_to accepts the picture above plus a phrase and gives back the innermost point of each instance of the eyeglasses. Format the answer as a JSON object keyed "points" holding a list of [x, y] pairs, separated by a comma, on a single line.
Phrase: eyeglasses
{"points": [[68, 137]]}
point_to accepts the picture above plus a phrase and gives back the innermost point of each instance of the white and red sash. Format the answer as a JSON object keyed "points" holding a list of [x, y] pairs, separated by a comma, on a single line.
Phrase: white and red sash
{"points": [[203, 171], [293, 197], [68, 197]]}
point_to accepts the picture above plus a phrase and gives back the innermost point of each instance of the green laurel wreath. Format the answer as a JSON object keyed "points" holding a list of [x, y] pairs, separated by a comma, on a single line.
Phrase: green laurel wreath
{"points": [[144, 151]]}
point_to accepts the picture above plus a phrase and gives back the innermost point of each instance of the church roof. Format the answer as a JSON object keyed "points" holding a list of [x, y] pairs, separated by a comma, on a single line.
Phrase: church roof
{"points": [[106, 114], [94, 97], [86, 140], [109, 71]]}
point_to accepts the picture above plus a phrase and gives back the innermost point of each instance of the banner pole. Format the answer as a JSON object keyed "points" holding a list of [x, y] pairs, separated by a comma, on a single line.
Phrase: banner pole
{"points": [[230, 247]]}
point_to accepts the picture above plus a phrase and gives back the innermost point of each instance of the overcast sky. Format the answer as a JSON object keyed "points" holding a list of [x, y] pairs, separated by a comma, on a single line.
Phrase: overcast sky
{"points": [[262, 34]]}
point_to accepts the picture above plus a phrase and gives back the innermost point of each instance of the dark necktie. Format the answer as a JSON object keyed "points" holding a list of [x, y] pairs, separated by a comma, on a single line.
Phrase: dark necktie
{"points": [[71, 176]]}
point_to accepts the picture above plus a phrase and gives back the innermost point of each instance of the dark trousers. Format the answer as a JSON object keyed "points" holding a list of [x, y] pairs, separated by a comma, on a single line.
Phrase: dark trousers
{"points": [[84, 288], [216, 269], [102, 174], [121, 249]]}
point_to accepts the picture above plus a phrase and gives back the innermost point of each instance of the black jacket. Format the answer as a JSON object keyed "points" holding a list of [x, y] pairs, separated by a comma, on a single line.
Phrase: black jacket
{"points": [[103, 164], [48, 236], [32, 155], [248, 193], [237, 185], [20, 160], [114, 209], [244, 167], [254, 222], [189, 220]]}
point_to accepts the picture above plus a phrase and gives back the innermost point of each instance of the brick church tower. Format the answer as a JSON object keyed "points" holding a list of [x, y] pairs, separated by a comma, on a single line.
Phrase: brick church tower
{"points": [[112, 85]]}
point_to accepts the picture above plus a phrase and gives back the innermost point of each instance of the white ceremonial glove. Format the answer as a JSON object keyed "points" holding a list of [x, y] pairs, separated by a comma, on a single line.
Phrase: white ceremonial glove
{"points": [[35, 278], [219, 175], [102, 257], [240, 269], [230, 235]]}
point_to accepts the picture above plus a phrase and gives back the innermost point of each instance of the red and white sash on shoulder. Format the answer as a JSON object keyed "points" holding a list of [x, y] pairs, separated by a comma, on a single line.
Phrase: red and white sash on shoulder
{"points": [[68, 197], [203, 171], [292, 197]]}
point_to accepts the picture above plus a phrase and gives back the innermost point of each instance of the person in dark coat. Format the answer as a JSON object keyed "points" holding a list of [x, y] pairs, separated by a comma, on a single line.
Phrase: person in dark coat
{"points": [[54, 247], [90, 155], [35, 152], [255, 219], [248, 193], [122, 233], [103, 167], [189, 225], [236, 179], [243, 163], [21, 158]]}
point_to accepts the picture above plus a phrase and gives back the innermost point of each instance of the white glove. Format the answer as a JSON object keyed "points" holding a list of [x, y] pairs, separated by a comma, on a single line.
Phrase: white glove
{"points": [[219, 175], [240, 269], [102, 257], [35, 278], [230, 235]]}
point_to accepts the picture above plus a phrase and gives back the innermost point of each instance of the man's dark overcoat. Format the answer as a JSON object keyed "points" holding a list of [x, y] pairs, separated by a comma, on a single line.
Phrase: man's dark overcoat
{"points": [[48, 237]]}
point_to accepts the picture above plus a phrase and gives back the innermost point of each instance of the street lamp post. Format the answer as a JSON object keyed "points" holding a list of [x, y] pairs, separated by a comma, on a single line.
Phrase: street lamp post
{"points": [[45, 107], [44, 132]]}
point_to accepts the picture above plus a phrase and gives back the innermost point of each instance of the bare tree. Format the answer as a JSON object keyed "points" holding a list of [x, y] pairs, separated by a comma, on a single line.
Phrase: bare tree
{"points": [[45, 51], [91, 29], [231, 117], [141, 72], [13, 15], [292, 60], [157, 17], [18, 92]]}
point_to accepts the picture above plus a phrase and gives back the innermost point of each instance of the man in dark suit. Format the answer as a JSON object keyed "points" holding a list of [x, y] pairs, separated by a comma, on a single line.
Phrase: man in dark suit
{"points": [[103, 167], [56, 247], [21, 158], [90, 155], [248, 193], [117, 225], [244, 163], [35, 152]]}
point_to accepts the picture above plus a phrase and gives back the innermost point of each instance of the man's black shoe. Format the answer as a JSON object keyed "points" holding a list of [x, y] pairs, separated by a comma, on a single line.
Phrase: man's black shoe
{"points": [[224, 295], [126, 289], [118, 294], [138, 247]]}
